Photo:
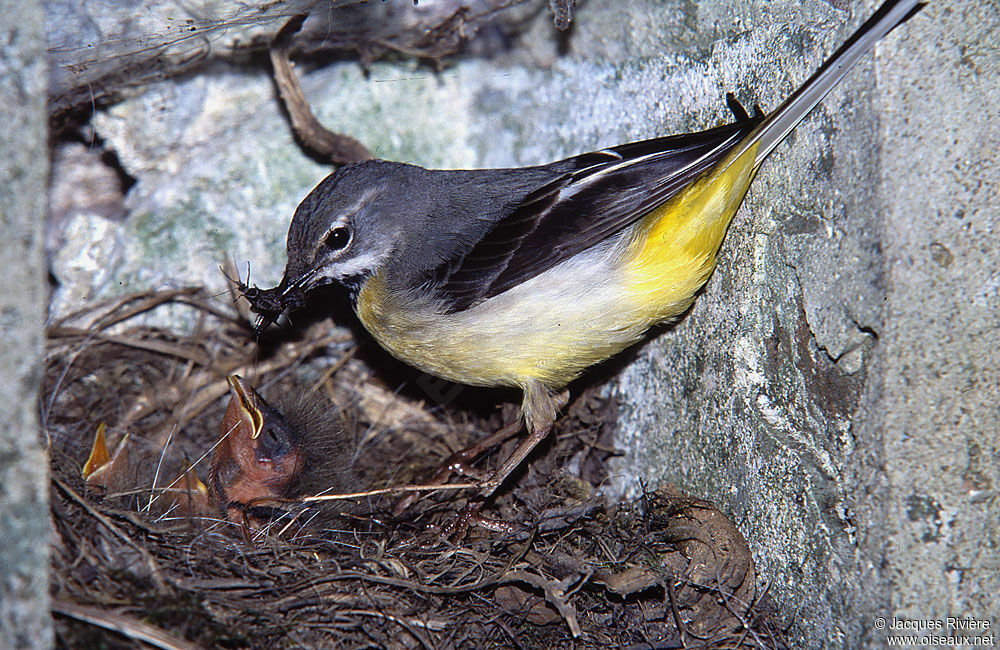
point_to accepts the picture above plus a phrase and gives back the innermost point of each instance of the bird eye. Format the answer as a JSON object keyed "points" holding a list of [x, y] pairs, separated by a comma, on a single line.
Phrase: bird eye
{"points": [[338, 238]]}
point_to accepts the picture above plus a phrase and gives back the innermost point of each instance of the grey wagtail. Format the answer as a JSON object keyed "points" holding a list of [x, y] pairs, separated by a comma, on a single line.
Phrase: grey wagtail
{"points": [[526, 277]]}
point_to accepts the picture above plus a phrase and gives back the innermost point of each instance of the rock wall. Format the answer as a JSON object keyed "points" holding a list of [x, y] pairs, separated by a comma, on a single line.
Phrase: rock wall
{"points": [[834, 386]]}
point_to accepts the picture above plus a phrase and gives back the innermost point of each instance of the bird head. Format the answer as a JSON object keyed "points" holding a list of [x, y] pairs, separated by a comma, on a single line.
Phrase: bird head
{"points": [[342, 232], [268, 455]]}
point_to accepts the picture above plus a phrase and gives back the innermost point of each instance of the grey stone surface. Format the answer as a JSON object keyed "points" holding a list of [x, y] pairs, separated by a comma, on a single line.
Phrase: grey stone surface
{"points": [[830, 387], [834, 387], [24, 515], [97, 48], [940, 346], [100, 50]]}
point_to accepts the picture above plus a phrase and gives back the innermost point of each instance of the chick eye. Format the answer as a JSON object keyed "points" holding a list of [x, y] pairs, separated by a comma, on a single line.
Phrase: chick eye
{"points": [[338, 238]]}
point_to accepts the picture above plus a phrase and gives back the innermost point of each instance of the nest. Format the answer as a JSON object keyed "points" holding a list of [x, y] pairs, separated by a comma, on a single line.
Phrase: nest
{"points": [[136, 564]]}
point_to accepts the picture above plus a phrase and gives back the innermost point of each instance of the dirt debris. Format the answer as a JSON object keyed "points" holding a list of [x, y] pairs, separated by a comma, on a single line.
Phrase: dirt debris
{"points": [[132, 568]]}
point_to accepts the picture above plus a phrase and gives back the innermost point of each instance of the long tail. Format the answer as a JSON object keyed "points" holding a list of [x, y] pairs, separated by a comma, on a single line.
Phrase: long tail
{"points": [[786, 117]]}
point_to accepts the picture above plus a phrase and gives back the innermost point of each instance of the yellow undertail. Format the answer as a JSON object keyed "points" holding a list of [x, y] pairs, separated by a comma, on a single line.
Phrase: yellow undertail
{"points": [[673, 252]]}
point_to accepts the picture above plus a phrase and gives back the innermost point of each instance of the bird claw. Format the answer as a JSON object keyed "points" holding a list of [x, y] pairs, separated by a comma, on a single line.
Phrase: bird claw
{"points": [[458, 464]]}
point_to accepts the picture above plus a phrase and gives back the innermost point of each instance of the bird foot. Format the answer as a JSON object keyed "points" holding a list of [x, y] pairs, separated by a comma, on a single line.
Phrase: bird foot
{"points": [[460, 464]]}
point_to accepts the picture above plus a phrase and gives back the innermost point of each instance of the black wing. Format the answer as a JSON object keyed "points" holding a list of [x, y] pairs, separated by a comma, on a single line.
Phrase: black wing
{"points": [[600, 194]]}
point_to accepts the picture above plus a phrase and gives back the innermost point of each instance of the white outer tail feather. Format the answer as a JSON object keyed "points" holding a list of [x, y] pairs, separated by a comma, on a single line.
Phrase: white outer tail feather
{"points": [[786, 117]]}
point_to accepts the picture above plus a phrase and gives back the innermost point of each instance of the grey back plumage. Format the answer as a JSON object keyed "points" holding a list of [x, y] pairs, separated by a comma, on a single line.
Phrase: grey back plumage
{"points": [[468, 235]]}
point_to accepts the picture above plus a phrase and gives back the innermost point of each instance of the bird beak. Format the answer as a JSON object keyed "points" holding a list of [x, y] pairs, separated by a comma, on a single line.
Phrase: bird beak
{"points": [[106, 471], [245, 470], [243, 411]]}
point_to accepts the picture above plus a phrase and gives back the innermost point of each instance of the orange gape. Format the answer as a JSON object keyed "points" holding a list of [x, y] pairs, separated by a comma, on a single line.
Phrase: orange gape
{"points": [[243, 469]]}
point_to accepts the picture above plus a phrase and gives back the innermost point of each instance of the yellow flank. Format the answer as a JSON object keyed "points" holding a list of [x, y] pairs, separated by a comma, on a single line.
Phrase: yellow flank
{"points": [[673, 251]]}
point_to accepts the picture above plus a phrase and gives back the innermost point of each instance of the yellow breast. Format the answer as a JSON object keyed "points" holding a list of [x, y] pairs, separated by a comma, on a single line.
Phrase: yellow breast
{"points": [[548, 329]]}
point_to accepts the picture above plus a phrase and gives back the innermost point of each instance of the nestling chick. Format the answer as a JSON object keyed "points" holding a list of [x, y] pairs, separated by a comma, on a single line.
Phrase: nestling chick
{"points": [[267, 454]]}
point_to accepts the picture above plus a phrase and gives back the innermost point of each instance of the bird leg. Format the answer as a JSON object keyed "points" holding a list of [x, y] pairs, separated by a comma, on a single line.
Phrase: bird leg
{"points": [[540, 408], [460, 463]]}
